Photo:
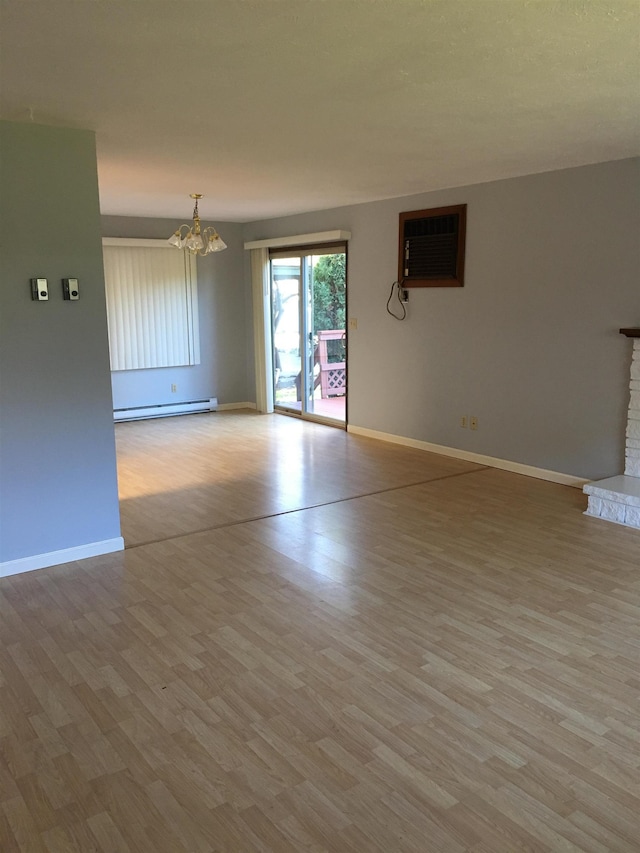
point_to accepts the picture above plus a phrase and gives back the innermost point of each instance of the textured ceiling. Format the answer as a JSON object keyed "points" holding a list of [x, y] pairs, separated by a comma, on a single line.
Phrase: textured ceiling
{"points": [[271, 107]]}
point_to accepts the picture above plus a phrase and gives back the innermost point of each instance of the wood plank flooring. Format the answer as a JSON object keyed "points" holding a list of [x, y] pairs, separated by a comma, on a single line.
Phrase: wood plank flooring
{"points": [[431, 656], [184, 474]]}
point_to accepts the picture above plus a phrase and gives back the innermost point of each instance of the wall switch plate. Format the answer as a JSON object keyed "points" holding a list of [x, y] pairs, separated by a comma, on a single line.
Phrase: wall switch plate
{"points": [[70, 289], [463, 421], [353, 323], [473, 423], [39, 289]]}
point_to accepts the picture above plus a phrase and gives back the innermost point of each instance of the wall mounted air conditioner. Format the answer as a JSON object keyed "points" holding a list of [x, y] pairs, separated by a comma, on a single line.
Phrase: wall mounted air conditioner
{"points": [[431, 250]]}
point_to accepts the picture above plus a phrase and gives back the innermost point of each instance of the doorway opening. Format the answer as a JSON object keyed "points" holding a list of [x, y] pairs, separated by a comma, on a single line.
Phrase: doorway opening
{"points": [[308, 321]]}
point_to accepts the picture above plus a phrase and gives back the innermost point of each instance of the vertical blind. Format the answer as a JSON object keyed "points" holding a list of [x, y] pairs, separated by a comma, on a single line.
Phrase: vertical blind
{"points": [[152, 308]]}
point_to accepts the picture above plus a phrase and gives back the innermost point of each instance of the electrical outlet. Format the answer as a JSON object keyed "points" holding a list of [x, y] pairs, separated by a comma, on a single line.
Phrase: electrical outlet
{"points": [[473, 423], [174, 388], [463, 422], [353, 323]]}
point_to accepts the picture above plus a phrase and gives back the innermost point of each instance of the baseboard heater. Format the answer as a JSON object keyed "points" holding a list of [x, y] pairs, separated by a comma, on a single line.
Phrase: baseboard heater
{"points": [[165, 410]]}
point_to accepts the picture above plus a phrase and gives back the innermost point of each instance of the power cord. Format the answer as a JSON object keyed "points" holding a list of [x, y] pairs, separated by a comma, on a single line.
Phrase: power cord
{"points": [[397, 285]]}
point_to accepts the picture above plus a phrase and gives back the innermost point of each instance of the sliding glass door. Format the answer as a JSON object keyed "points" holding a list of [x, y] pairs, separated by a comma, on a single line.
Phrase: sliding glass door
{"points": [[308, 315]]}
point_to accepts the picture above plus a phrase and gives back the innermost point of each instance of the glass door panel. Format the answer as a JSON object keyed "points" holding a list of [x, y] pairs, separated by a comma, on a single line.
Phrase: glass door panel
{"points": [[308, 310], [327, 322], [285, 317]]}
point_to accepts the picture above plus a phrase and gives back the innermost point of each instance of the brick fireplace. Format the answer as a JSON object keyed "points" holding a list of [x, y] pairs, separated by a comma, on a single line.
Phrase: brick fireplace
{"points": [[618, 498]]}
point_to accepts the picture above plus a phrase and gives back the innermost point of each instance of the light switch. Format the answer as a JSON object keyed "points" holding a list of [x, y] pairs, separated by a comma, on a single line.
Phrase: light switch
{"points": [[39, 289], [70, 289]]}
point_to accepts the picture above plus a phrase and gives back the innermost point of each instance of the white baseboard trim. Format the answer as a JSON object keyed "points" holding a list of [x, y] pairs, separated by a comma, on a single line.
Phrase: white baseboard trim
{"points": [[55, 558], [468, 456], [225, 407]]}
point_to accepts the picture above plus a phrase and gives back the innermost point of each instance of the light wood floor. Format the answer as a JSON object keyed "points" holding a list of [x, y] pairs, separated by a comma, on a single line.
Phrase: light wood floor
{"points": [[433, 656]]}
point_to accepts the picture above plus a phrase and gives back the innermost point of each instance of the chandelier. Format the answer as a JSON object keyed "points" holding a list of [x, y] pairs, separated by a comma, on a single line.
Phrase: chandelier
{"points": [[195, 241]]}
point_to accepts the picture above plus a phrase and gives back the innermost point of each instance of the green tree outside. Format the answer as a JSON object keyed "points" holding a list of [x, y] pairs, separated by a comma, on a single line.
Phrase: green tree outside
{"points": [[329, 292], [329, 300]]}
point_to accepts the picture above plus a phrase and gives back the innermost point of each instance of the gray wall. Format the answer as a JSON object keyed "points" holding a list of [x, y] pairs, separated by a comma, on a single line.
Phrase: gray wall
{"points": [[223, 311], [57, 453], [530, 345]]}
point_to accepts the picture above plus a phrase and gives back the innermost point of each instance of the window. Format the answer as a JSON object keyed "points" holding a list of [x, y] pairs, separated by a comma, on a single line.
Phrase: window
{"points": [[152, 304]]}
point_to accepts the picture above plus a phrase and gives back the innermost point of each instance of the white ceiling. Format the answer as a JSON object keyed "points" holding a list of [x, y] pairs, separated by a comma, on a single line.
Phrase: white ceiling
{"points": [[271, 107]]}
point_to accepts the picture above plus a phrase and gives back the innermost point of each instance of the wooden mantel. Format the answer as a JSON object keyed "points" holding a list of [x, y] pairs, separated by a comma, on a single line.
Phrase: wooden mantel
{"points": [[630, 333]]}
